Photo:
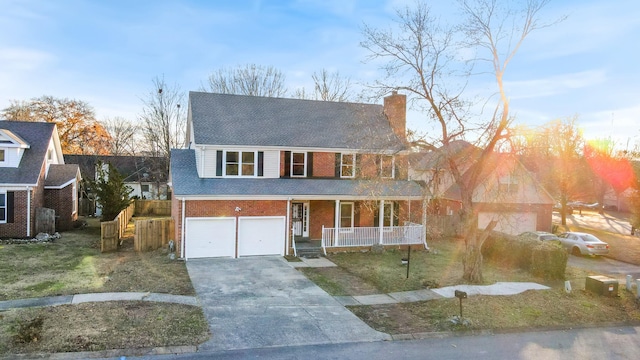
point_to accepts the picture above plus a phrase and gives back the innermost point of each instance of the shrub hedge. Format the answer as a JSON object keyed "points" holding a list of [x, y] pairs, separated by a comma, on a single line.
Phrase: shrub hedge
{"points": [[544, 259]]}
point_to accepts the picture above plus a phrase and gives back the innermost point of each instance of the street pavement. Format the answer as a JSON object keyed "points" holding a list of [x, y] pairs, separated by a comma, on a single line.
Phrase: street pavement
{"points": [[614, 342]]}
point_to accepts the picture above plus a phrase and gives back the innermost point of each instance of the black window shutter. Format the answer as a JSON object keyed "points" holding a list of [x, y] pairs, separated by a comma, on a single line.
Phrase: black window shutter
{"points": [[10, 207], [287, 163], [309, 164], [260, 163], [356, 214], [337, 172], [219, 163], [356, 171], [379, 165]]}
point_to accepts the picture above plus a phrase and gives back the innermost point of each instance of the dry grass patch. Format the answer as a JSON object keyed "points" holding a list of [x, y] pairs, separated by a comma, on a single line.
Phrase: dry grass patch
{"points": [[440, 267], [100, 326], [531, 309], [338, 282], [74, 264]]}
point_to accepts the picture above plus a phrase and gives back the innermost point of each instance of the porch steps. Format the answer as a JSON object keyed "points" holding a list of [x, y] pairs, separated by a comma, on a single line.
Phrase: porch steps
{"points": [[308, 248]]}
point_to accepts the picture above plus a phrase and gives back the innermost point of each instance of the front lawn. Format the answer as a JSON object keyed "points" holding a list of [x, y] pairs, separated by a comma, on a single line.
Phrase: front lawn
{"points": [[74, 264], [100, 326], [369, 273]]}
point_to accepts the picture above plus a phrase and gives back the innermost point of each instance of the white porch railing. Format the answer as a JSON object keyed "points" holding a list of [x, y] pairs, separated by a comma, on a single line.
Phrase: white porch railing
{"points": [[410, 234]]}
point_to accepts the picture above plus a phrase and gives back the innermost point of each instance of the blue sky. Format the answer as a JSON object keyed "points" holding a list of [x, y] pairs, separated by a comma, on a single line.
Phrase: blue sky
{"points": [[108, 52]]}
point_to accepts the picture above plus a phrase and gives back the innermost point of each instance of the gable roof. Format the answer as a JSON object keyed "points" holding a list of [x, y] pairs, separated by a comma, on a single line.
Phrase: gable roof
{"points": [[436, 159], [12, 140], [224, 119], [131, 168], [61, 174], [37, 135], [186, 182]]}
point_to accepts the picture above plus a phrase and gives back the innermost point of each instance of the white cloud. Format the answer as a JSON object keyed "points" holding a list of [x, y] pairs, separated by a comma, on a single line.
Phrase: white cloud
{"points": [[556, 84], [23, 59]]}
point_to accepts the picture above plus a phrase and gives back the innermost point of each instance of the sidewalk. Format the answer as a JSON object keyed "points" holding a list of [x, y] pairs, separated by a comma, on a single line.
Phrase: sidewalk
{"points": [[98, 297]]}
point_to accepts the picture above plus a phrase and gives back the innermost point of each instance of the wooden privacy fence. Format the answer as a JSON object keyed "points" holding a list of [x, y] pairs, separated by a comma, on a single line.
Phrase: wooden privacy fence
{"points": [[153, 234], [153, 207], [112, 231], [45, 221]]}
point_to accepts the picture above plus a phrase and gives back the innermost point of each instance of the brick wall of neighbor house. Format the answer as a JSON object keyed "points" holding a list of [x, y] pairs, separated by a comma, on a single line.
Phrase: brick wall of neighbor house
{"points": [[18, 228], [60, 201]]}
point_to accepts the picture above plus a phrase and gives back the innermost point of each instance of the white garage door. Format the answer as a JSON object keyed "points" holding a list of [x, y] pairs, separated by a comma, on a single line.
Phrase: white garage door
{"points": [[509, 223], [261, 235], [210, 237]]}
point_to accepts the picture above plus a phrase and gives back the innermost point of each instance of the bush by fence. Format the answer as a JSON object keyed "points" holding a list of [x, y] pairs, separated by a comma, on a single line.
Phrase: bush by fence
{"points": [[153, 207], [545, 259]]}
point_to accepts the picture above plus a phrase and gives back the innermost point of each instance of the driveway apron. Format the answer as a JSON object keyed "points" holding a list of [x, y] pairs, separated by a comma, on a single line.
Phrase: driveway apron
{"points": [[264, 302]]}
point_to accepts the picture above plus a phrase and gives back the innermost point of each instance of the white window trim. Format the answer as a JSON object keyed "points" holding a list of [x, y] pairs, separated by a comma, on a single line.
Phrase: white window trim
{"points": [[353, 165], [353, 207], [304, 174], [240, 174], [393, 167], [74, 196], [388, 205], [4, 208]]}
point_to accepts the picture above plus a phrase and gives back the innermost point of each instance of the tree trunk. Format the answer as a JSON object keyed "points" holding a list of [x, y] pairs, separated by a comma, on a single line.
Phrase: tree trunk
{"points": [[472, 262]]}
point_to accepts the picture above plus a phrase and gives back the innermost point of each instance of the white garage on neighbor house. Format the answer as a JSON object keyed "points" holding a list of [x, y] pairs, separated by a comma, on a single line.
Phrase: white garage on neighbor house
{"points": [[207, 237], [512, 223]]}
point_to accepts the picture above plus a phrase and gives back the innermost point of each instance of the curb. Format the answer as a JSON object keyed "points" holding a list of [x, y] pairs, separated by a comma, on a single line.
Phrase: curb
{"points": [[168, 350]]}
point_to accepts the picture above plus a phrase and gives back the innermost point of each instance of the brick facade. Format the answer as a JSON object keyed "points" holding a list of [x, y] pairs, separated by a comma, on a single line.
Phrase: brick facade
{"points": [[19, 226], [324, 164], [60, 200]]}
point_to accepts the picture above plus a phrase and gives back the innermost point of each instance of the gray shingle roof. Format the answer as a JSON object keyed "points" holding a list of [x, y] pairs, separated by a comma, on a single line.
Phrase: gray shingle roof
{"points": [[185, 181], [37, 135], [223, 119], [60, 174]]}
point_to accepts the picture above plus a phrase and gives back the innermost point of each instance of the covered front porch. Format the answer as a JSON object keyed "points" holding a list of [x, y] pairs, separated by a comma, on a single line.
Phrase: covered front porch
{"points": [[355, 223]]}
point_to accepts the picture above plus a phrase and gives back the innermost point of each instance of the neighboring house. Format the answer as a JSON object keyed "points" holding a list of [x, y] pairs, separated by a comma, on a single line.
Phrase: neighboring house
{"points": [[618, 201], [33, 176], [261, 172], [507, 192], [146, 176]]}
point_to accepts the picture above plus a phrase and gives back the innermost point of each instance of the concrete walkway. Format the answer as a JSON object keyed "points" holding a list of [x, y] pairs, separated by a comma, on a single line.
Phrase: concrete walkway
{"points": [[98, 297]]}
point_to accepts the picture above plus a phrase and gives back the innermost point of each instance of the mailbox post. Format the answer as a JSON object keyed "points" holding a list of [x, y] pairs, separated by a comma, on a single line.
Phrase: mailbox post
{"points": [[460, 295]]}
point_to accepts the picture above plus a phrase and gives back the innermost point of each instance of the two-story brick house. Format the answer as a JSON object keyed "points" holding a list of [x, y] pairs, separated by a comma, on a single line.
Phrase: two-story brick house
{"points": [[259, 173], [33, 175]]}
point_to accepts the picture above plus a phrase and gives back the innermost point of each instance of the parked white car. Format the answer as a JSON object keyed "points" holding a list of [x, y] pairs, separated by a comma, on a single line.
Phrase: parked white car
{"points": [[579, 243]]}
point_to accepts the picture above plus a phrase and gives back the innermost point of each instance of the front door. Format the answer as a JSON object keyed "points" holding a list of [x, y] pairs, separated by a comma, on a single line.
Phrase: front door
{"points": [[300, 219]]}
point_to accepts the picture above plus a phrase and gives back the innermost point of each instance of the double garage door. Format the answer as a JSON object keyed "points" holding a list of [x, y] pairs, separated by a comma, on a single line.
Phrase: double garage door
{"points": [[513, 223], [216, 237]]}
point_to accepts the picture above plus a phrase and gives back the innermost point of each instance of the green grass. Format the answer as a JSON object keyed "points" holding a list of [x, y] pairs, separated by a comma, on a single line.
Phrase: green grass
{"points": [[74, 264], [327, 283], [440, 267]]}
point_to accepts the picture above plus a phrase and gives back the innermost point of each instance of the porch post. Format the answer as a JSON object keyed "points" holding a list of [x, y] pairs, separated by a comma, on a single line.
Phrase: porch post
{"points": [[337, 223], [381, 221]]}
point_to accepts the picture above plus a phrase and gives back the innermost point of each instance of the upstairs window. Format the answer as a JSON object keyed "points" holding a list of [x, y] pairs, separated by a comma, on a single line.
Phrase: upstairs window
{"points": [[348, 165], [387, 168], [298, 164], [239, 163], [508, 183], [1, 155]]}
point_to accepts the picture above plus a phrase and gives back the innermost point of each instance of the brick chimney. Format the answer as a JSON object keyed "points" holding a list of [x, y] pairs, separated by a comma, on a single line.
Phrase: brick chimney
{"points": [[395, 108]]}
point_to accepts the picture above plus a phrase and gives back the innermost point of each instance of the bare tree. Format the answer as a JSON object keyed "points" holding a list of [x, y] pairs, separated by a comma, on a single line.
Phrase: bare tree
{"points": [[123, 136], [162, 119], [250, 79], [331, 86], [79, 131], [423, 58]]}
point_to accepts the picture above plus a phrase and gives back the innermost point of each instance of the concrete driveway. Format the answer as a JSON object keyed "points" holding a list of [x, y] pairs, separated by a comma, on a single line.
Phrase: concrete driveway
{"points": [[605, 266], [261, 302]]}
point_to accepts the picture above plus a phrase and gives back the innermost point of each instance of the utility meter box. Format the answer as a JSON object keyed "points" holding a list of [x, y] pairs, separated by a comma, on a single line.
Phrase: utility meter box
{"points": [[602, 285]]}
